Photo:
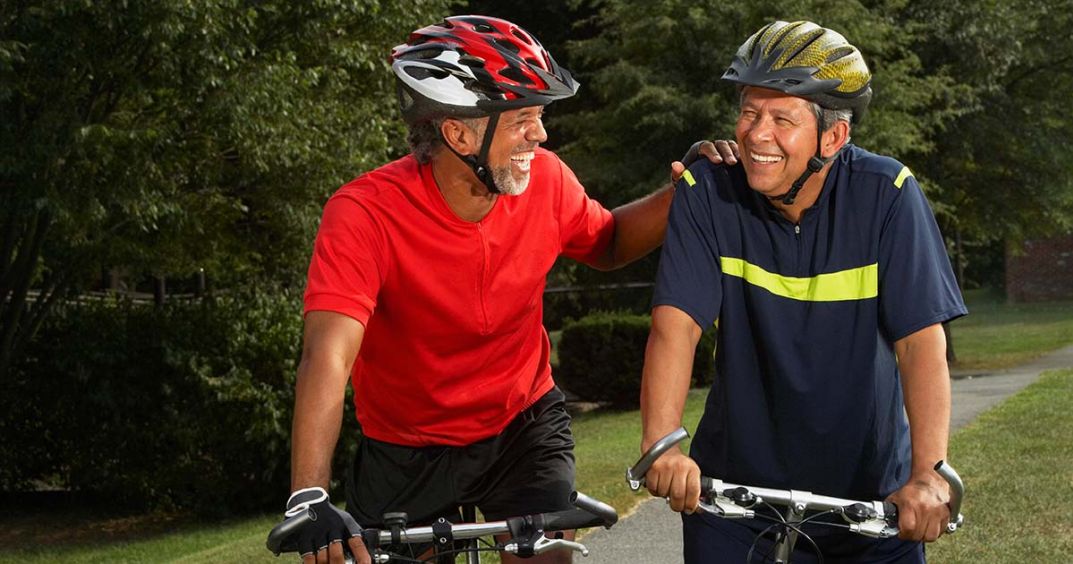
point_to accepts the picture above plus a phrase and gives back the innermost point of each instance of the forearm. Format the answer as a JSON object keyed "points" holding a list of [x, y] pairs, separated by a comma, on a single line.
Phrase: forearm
{"points": [[926, 387], [639, 228], [318, 415], [667, 372], [331, 343]]}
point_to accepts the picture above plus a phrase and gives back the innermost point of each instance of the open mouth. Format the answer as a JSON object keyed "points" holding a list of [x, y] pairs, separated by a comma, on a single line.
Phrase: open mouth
{"points": [[765, 159], [522, 160]]}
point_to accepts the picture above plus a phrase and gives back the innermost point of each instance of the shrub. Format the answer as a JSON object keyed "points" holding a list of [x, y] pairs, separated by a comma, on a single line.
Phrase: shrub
{"points": [[182, 407], [602, 354]]}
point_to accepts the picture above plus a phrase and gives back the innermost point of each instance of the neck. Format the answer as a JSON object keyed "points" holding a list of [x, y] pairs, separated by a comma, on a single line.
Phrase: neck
{"points": [[808, 195], [464, 193]]}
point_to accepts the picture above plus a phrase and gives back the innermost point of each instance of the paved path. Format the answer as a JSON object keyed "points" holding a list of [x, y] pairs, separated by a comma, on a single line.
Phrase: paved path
{"points": [[652, 533]]}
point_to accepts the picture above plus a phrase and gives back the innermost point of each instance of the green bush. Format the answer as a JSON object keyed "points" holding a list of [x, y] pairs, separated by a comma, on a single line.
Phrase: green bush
{"points": [[182, 407], [602, 354]]}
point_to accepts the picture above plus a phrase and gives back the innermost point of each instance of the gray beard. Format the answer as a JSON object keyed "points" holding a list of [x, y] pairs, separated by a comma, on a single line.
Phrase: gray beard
{"points": [[506, 182]]}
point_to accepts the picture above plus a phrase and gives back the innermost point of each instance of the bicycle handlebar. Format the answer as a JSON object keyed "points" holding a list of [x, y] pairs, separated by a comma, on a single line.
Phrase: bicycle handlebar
{"points": [[527, 532], [871, 518]]}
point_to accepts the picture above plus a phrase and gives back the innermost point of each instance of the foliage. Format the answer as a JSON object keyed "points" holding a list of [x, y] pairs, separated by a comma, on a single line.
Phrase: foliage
{"points": [[182, 407], [1004, 165], [169, 136], [601, 356]]}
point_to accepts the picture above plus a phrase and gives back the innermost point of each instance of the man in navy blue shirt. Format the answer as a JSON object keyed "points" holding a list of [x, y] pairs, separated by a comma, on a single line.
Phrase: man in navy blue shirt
{"points": [[825, 272]]}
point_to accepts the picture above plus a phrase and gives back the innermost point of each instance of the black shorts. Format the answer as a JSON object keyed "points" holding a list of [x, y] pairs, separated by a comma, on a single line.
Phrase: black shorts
{"points": [[528, 468]]}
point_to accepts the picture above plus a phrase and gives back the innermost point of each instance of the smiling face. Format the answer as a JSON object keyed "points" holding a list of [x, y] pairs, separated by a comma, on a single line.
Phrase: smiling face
{"points": [[776, 134], [517, 136]]}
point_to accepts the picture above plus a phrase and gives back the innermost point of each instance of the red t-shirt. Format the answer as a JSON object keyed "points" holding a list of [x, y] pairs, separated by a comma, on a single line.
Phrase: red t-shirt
{"points": [[454, 343]]}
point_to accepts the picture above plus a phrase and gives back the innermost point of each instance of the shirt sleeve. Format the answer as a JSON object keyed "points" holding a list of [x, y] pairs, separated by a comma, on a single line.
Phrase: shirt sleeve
{"points": [[586, 228], [345, 272], [689, 276], [917, 287]]}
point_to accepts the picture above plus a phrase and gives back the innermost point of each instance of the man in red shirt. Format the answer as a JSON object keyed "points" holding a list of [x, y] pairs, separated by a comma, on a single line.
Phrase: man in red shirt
{"points": [[425, 291]]}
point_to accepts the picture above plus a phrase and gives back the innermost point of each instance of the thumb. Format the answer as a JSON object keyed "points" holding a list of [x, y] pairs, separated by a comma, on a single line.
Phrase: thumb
{"points": [[677, 168]]}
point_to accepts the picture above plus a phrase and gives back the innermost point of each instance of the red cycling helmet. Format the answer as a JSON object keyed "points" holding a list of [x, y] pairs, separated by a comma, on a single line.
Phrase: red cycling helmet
{"points": [[474, 66]]}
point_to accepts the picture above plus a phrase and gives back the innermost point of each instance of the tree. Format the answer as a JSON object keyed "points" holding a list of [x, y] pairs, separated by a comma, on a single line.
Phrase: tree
{"points": [[1004, 165], [168, 136]]}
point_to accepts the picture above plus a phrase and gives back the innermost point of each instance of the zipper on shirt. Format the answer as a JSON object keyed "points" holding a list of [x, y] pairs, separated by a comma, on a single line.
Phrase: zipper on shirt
{"points": [[484, 278]]}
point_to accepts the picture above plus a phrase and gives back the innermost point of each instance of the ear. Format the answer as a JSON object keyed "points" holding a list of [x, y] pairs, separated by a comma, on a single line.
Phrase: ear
{"points": [[835, 138], [460, 137]]}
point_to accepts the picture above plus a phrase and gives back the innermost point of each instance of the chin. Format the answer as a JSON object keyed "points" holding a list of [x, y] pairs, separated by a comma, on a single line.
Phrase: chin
{"points": [[510, 186]]}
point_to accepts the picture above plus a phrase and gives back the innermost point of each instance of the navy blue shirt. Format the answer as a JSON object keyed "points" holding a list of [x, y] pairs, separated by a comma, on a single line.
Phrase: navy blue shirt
{"points": [[807, 392]]}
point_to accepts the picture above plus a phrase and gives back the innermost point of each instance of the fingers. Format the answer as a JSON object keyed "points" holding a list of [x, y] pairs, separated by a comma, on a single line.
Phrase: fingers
{"points": [[357, 549], [677, 168], [675, 477], [335, 552], [720, 151], [923, 512]]}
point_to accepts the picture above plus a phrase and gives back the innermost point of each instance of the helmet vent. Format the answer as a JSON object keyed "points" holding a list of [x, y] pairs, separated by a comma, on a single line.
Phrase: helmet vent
{"points": [[483, 27], [516, 75], [508, 45], [471, 61], [422, 73], [517, 33]]}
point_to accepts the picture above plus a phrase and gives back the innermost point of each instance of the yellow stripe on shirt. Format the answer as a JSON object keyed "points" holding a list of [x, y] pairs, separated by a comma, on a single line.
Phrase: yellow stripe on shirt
{"points": [[852, 284]]}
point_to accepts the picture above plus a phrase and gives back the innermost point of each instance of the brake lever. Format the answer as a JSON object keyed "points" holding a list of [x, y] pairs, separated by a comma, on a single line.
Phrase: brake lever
{"points": [[635, 475], [543, 544]]}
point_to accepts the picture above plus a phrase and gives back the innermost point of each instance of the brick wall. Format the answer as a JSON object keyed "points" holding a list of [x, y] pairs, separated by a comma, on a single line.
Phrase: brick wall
{"points": [[1042, 270]]}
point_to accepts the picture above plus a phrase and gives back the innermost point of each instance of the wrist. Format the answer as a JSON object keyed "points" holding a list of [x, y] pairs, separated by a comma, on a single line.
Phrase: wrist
{"points": [[301, 499]]}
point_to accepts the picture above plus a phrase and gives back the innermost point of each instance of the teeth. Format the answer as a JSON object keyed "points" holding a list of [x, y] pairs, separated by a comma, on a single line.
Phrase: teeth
{"points": [[765, 158], [521, 160]]}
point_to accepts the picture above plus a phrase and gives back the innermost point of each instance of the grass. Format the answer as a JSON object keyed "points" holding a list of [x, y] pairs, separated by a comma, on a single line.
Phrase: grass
{"points": [[998, 335], [1017, 464], [1017, 461]]}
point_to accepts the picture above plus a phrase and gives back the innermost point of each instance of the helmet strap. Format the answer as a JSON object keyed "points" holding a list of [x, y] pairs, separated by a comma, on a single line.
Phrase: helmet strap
{"points": [[479, 163], [815, 164]]}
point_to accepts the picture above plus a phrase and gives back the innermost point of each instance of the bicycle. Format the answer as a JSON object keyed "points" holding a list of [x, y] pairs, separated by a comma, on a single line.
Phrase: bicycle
{"points": [[876, 519], [527, 534]]}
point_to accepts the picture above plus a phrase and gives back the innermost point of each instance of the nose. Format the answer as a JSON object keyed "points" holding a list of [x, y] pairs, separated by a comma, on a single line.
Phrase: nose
{"points": [[760, 130], [536, 132]]}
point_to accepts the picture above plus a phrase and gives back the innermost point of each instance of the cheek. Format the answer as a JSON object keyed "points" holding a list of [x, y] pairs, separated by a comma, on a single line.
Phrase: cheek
{"points": [[741, 132]]}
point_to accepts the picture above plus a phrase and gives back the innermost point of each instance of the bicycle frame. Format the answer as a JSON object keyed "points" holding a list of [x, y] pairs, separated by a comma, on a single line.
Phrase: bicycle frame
{"points": [[877, 519]]}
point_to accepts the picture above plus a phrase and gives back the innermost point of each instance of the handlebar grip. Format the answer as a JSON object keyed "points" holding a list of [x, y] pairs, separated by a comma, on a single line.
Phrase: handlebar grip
{"points": [[282, 532], [890, 513], [570, 519], [607, 514]]}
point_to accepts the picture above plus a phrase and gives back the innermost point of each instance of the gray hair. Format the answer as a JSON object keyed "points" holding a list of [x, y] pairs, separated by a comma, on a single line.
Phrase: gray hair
{"points": [[425, 137], [827, 117]]}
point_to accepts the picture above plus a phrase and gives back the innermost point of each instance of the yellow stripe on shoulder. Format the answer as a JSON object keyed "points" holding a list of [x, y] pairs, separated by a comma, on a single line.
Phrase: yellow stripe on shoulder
{"points": [[851, 284], [905, 173], [688, 176]]}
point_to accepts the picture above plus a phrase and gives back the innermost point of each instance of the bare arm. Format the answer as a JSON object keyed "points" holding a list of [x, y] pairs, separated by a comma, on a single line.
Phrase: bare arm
{"points": [[664, 385], [639, 227], [926, 387], [331, 344]]}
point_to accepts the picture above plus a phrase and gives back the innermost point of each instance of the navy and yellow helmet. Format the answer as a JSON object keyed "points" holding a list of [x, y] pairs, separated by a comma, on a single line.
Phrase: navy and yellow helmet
{"points": [[805, 60]]}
